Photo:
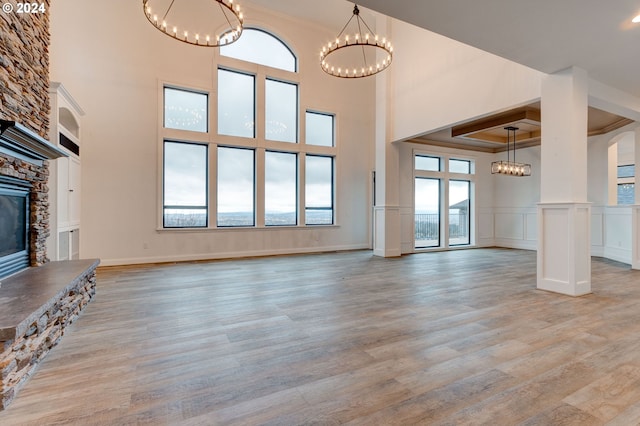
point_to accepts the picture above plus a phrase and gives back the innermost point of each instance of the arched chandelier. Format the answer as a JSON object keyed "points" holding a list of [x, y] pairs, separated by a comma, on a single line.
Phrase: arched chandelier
{"points": [[210, 23], [355, 55]]}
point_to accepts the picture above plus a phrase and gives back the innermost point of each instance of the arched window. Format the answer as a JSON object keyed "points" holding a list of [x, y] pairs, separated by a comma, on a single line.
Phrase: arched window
{"points": [[262, 48]]}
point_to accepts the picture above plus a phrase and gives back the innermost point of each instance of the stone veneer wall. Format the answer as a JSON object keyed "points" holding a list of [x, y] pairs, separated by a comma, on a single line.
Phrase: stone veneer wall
{"points": [[24, 98], [20, 357]]}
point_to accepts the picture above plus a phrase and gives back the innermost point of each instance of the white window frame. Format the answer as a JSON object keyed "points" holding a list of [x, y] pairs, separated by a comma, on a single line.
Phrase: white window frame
{"points": [[444, 177], [258, 143]]}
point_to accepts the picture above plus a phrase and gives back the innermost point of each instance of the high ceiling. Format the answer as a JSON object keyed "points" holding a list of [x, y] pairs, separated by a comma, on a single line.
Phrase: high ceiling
{"points": [[547, 35]]}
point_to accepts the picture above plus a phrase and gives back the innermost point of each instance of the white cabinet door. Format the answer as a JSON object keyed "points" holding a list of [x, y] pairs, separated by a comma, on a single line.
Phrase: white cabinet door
{"points": [[63, 191], [74, 191]]}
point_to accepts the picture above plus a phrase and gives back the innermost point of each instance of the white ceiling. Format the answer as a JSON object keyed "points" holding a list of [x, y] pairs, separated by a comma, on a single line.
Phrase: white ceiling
{"points": [[327, 13], [547, 35]]}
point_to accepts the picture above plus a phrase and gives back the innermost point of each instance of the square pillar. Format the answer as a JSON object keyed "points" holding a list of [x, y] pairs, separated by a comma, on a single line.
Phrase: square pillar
{"points": [[386, 212], [564, 244], [635, 209], [564, 215]]}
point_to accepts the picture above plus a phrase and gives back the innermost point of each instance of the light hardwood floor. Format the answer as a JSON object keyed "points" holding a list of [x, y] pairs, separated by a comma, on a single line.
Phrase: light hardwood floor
{"points": [[449, 338]]}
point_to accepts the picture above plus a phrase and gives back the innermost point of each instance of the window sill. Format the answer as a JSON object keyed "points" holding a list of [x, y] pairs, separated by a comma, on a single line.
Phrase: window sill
{"points": [[247, 228]]}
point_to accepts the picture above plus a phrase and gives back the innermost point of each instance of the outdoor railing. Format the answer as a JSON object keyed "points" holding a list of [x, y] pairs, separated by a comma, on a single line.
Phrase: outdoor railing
{"points": [[427, 226]]}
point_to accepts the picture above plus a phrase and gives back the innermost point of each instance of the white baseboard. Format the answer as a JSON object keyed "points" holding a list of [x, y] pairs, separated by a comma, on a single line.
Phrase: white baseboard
{"points": [[227, 255]]}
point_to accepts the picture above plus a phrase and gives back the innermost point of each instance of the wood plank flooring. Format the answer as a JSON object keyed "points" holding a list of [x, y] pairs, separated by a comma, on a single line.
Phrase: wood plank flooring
{"points": [[449, 338]]}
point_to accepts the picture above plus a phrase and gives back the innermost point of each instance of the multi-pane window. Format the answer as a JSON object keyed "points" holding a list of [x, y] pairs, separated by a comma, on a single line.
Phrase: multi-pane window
{"points": [[185, 110], [320, 129], [281, 188], [236, 104], [255, 178], [442, 201], [185, 185], [319, 190], [626, 184], [281, 111], [236, 187]]}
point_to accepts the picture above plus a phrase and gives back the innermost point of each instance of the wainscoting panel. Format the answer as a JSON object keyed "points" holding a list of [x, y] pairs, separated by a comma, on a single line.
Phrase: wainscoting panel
{"points": [[515, 228], [617, 233]]}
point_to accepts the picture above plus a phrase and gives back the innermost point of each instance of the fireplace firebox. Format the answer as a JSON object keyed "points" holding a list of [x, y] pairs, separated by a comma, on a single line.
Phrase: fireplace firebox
{"points": [[14, 225]]}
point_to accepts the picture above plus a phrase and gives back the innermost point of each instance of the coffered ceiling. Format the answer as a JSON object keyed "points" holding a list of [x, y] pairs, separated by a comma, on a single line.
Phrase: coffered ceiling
{"points": [[488, 134]]}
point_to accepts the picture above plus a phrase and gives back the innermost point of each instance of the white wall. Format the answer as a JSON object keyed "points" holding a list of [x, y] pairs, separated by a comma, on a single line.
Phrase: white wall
{"points": [[439, 82], [112, 61], [515, 203]]}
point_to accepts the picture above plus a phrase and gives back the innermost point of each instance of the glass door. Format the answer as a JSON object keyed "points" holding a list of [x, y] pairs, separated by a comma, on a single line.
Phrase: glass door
{"points": [[427, 212]]}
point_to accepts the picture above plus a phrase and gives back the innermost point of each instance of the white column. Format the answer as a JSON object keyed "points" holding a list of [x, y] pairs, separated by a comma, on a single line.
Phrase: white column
{"points": [[386, 212], [635, 210], [564, 215]]}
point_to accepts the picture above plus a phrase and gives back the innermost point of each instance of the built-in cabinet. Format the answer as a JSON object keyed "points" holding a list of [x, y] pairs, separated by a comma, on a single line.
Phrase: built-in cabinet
{"points": [[65, 174]]}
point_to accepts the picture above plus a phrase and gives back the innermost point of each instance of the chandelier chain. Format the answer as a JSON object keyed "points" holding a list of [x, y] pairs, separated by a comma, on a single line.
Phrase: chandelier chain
{"points": [[168, 10]]}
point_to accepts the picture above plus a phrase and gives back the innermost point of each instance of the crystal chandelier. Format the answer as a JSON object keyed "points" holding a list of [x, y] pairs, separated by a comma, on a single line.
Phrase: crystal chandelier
{"points": [[509, 167], [355, 55], [196, 22]]}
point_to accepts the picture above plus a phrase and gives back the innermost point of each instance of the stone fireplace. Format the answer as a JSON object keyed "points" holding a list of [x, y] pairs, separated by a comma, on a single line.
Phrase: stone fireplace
{"points": [[24, 221], [39, 302]]}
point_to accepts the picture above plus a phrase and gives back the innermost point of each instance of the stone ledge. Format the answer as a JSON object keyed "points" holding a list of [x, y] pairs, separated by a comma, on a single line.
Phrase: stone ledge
{"points": [[36, 306], [26, 296]]}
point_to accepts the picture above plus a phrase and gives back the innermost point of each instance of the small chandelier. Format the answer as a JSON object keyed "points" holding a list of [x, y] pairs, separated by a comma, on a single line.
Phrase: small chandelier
{"points": [[354, 56], [180, 20], [508, 167]]}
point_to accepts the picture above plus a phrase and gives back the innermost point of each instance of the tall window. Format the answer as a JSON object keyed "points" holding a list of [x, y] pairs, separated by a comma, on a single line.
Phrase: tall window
{"points": [[236, 187], [281, 188], [281, 111], [185, 185], [427, 212], [319, 190], [262, 161], [459, 219], [442, 201], [626, 184], [236, 104]]}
